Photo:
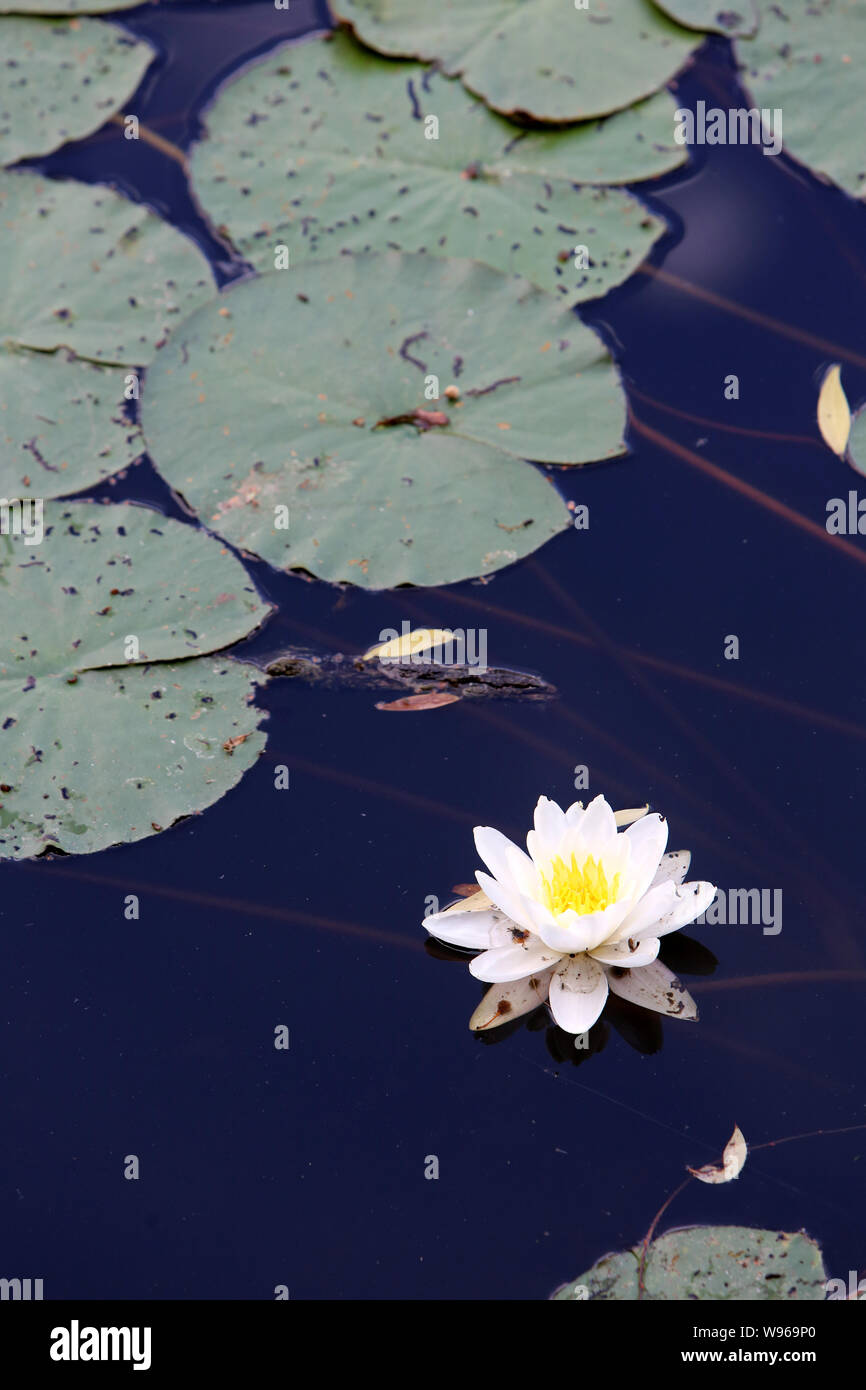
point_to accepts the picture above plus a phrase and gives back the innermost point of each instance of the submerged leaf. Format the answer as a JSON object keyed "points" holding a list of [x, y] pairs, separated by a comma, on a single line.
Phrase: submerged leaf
{"points": [[432, 699], [249, 412], [834, 414], [60, 80], [733, 1158], [717, 1263], [543, 58], [326, 148]]}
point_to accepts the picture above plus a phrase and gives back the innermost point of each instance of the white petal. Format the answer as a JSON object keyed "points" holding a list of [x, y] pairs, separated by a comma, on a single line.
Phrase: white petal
{"points": [[650, 909], [574, 813], [504, 1002], [674, 865], [512, 962], [597, 829], [507, 898], [653, 987], [505, 861], [630, 954], [691, 900], [624, 818], [549, 821], [572, 932], [648, 839], [470, 929], [578, 991]]}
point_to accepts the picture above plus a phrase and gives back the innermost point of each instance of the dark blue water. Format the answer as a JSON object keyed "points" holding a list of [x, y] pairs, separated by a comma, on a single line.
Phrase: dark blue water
{"points": [[302, 907]]}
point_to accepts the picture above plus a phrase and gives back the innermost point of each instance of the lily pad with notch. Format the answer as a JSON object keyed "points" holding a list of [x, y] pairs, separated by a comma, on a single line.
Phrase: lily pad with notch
{"points": [[298, 417], [326, 149]]}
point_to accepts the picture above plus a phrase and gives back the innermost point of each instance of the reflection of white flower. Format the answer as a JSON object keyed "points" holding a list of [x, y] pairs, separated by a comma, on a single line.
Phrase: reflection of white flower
{"points": [[578, 915]]}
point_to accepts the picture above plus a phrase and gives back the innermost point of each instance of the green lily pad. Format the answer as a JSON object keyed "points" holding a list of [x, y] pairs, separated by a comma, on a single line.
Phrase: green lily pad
{"points": [[62, 423], [718, 1263], [323, 148], [100, 573], [62, 79], [713, 16], [302, 390], [857, 441], [541, 58], [121, 754], [97, 747], [807, 59], [65, 6], [86, 269]]}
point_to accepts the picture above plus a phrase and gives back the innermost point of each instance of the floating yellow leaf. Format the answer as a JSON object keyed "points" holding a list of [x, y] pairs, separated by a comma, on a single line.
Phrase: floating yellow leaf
{"points": [[733, 1159], [624, 818], [834, 414], [404, 647]]}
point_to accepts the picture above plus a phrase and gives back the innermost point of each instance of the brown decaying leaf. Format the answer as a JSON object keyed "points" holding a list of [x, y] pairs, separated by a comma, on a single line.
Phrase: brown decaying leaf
{"points": [[232, 743], [431, 700]]}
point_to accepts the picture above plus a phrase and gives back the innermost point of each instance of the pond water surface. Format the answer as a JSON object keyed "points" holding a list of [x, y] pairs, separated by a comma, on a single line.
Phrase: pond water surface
{"points": [[303, 907]]}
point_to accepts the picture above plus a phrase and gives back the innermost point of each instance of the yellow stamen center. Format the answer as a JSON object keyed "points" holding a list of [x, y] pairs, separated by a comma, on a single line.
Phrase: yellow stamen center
{"points": [[578, 888]]}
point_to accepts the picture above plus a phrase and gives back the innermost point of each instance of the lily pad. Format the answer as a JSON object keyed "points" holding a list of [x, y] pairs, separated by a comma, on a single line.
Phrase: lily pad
{"points": [[121, 754], [86, 269], [62, 423], [808, 59], [541, 58], [718, 1263], [65, 6], [326, 148], [857, 441], [100, 573], [62, 79], [97, 747], [713, 16], [313, 390]]}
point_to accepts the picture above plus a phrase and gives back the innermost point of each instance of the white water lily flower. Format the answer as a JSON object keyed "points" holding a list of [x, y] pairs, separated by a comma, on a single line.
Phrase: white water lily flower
{"points": [[580, 914]]}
